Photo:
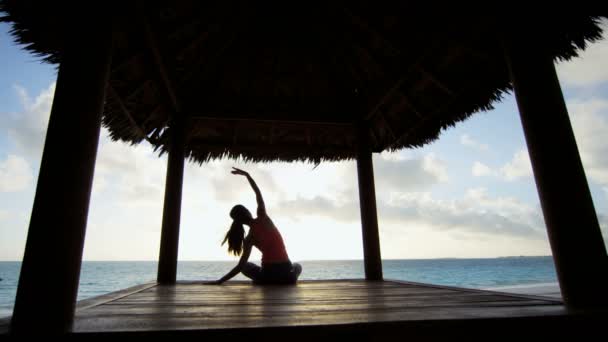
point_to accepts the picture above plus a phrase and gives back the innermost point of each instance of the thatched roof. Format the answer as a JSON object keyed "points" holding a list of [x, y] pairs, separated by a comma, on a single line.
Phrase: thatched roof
{"points": [[266, 82]]}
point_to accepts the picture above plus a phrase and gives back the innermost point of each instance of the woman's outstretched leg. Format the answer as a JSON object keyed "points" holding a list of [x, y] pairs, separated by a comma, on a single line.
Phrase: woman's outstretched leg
{"points": [[252, 271]]}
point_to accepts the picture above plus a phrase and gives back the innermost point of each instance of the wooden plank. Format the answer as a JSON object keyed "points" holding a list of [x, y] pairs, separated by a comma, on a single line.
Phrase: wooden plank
{"points": [[236, 305], [247, 309], [190, 321], [104, 299]]}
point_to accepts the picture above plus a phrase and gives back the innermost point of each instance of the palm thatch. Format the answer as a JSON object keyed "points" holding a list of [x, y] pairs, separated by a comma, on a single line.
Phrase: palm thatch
{"points": [[264, 82]]}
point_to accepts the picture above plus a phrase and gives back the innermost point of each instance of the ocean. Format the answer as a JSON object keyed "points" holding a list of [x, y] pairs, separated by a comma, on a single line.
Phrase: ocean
{"points": [[100, 277]]}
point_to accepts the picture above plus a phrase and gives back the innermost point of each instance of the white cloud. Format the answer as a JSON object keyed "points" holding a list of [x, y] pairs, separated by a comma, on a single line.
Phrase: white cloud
{"points": [[27, 129], [590, 124], [4, 215], [15, 174], [435, 167], [591, 68], [412, 174], [518, 167], [466, 140], [476, 213], [480, 170], [133, 175]]}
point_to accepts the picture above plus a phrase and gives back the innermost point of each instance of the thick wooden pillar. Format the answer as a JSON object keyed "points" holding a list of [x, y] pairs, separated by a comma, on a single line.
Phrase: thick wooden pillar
{"points": [[367, 203], [169, 243], [574, 233], [50, 271]]}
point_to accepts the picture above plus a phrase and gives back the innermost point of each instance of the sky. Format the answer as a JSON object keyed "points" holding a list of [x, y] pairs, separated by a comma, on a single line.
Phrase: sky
{"points": [[470, 194]]}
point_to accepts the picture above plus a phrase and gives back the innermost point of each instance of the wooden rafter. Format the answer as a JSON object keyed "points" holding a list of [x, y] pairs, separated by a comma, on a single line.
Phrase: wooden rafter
{"points": [[200, 144], [125, 62], [139, 88], [435, 81], [269, 120], [423, 120], [127, 113], [152, 44]]}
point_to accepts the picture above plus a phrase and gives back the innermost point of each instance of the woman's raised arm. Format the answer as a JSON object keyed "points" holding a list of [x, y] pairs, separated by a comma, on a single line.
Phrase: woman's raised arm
{"points": [[254, 186]]}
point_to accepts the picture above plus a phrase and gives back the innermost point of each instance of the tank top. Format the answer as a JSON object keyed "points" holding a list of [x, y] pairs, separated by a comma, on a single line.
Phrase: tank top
{"points": [[268, 240]]}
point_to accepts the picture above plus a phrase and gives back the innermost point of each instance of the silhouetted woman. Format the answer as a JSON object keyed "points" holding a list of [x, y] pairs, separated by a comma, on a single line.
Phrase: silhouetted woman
{"points": [[276, 266]]}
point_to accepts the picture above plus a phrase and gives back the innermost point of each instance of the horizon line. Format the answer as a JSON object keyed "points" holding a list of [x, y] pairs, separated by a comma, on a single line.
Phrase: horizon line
{"points": [[305, 260]]}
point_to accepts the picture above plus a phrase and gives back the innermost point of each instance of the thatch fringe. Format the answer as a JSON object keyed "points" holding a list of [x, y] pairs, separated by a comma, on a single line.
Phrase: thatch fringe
{"points": [[405, 77]]}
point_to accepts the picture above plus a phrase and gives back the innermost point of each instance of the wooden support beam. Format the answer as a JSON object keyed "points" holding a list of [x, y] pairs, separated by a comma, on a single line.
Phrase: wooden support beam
{"points": [[367, 203], [167, 263], [574, 232], [50, 271]]}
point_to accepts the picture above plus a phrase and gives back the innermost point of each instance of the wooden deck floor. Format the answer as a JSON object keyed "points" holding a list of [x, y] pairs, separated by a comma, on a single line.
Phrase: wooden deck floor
{"points": [[353, 305]]}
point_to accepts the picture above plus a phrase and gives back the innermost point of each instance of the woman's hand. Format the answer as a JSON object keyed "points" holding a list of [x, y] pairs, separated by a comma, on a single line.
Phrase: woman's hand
{"points": [[236, 171]]}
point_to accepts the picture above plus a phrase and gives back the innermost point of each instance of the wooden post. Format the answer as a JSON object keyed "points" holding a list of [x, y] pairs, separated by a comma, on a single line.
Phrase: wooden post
{"points": [[167, 263], [50, 271], [574, 233], [367, 203]]}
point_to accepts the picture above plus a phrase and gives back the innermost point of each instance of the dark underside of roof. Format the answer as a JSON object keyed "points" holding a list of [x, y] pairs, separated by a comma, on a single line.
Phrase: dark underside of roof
{"points": [[272, 82]]}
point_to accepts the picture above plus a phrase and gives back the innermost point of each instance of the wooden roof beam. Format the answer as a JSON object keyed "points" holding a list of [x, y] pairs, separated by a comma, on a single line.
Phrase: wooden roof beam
{"points": [[152, 44], [414, 66], [236, 21], [404, 134], [272, 121], [435, 81], [363, 25], [127, 113], [248, 146]]}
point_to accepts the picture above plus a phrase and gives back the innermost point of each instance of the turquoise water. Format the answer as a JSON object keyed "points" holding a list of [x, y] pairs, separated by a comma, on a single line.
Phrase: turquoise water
{"points": [[99, 277]]}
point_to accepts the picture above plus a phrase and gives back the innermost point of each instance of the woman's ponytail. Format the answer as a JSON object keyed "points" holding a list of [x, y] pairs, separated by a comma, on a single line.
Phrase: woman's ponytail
{"points": [[235, 237]]}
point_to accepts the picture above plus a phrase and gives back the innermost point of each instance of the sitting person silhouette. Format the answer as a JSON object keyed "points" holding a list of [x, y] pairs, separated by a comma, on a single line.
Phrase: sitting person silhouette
{"points": [[276, 266]]}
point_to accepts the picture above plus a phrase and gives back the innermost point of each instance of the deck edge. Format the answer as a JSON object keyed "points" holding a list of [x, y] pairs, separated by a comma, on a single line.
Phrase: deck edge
{"points": [[455, 288], [112, 296]]}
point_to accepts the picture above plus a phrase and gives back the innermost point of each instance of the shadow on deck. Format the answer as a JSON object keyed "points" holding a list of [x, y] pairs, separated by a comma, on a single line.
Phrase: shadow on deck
{"points": [[351, 308]]}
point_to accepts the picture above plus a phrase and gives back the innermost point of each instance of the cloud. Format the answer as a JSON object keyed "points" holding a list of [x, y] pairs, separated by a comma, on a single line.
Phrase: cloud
{"points": [[27, 129], [320, 206], [466, 140], [131, 175], [392, 174], [475, 213], [589, 70], [480, 170], [410, 174], [231, 188], [518, 167], [4, 215], [590, 124], [15, 174]]}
